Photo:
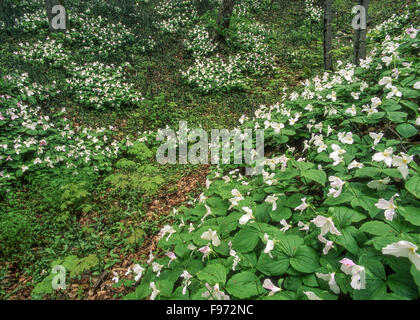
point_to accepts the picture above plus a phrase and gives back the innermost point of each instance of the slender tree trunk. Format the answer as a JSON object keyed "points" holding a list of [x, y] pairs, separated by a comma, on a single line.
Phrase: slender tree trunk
{"points": [[328, 35], [223, 19], [49, 5], [360, 37]]}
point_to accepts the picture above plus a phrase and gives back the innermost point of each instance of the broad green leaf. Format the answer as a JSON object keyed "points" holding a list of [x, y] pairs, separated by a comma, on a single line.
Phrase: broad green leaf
{"points": [[366, 203], [396, 116], [280, 213], [217, 205], [288, 244], [411, 214], [416, 274], [317, 175], [165, 287], [263, 212], [403, 285], [378, 228], [345, 216], [406, 130], [305, 260], [244, 285], [347, 241], [213, 274], [245, 240], [345, 197], [275, 266], [368, 172], [413, 186]]}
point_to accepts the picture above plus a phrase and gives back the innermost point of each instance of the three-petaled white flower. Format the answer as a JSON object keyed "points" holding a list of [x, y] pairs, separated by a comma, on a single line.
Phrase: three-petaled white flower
{"points": [[273, 200], [155, 291], [404, 249], [269, 246], [246, 217], [401, 163], [379, 184], [326, 225], [270, 286], [328, 244], [285, 225], [388, 206], [358, 273], [302, 206], [385, 156], [211, 235], [330, 277]]}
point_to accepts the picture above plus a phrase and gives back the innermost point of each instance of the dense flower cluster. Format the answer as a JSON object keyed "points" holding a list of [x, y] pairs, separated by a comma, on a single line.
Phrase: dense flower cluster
{"points": [[32, 141], [49, 52], [176, 15], [217, 73], [99, 86], [199, 42], [325, 219], [315, 12]]}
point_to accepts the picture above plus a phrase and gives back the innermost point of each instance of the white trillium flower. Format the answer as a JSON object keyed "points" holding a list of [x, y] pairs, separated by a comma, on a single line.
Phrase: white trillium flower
{"points": [[330, 277], [157, 267], [401, 164], [273, 200], [211, 235], [326, 225], [165, 230], [246, 217], [270, 245], [352, 110], [303, 226], [138, 270], [404, 249], [386, 81], [155, 291], [270, 286], [328, 244], [358, 279], [214, 293], [388, 206], [376, 137], [205, 251], [302, 206], [385, 156], [186, 282], [355, 164], [285, 225], [379, 184]]}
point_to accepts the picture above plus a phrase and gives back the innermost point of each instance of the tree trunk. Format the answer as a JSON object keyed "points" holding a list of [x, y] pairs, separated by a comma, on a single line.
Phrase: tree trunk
{"points": [[223, 19], [49, 5], [328, 35], [202, 6], [360, 36]]}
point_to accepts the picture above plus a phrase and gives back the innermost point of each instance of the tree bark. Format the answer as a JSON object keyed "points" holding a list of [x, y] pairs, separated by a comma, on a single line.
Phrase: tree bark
{"points": [[360, 37], [223, 19], [328, 35], [49, 4]]}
